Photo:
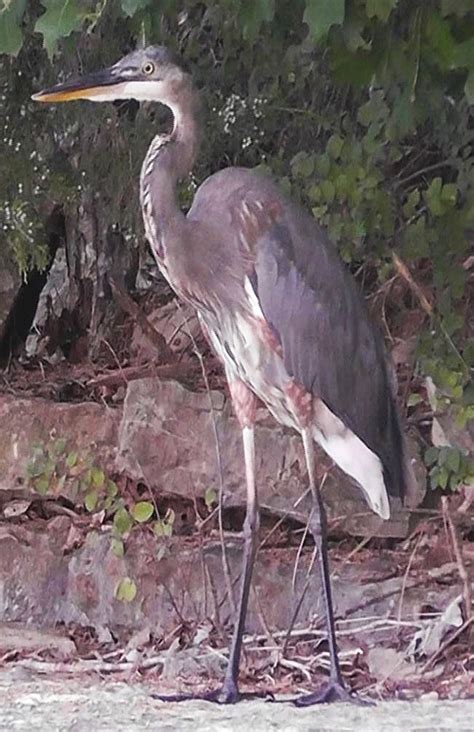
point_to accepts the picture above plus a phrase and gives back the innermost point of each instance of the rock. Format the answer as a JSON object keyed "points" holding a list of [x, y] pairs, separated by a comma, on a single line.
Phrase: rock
{"points": [[167, 441], [19, 638], [430, 696], [164, 437], [39, 584], [87, 428], [178, 324], [387, 663], [192, 664]]}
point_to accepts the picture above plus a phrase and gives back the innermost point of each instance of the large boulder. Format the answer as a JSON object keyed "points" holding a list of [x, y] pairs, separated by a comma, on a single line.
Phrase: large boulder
{"points": [[173, 440]]}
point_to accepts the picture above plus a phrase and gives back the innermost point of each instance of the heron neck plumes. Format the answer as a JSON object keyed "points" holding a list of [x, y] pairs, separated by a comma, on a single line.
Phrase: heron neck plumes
{"points": [[169, 158]]}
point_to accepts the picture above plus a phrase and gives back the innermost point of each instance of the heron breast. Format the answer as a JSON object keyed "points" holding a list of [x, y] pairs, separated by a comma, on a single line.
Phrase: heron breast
{"points": [[251, 352]]}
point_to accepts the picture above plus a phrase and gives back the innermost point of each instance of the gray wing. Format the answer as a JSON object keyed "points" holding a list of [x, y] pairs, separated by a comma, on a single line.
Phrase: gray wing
{"points": [[329, 344]]}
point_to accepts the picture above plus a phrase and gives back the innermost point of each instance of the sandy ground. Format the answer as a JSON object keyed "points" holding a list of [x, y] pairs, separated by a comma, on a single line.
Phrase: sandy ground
{"points": [[86, 705]]}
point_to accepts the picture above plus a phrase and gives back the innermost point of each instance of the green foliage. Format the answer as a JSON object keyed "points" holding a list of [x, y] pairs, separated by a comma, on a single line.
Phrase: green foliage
{"points": [[321, 15], [60, 19], [449, 468], [142, 511], [360, 108], [126, 590], [11, 36], [54, 468], [210, 498], [164, 527]]}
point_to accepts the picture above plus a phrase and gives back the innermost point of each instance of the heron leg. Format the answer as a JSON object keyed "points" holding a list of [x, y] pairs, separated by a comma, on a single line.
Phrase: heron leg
{"points": [[229, 691], [335, 690], [245, 405]]}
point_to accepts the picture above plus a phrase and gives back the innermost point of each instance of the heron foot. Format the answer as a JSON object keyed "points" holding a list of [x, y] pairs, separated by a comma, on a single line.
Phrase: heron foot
{"points": [[227, 694], [334, 691]]}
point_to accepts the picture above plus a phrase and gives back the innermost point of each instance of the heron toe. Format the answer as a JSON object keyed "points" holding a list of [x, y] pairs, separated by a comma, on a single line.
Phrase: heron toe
{"points": [[334, 691]]}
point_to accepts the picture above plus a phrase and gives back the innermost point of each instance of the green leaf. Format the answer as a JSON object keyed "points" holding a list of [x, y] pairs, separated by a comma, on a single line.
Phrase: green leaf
{"points": [[463, 55], [323, 165], [130, 7], [97, 477], [142, 511], [36, 468], [433, 197], [469, 87], [71, 459], [126, 590], [11, 35], [117, 547], [90, 501], [252, 14], [60, 19], [158, 528], [112, 489], [320, 15], [442, 477], [302, 164], [440, 38], [380, 8], [334, 146], [210, 497], [431, 456], [328, 190], [453, 460], [374, 110], [57, 447], [413, 199], [123, 522], [42, 485], [449, 193]]}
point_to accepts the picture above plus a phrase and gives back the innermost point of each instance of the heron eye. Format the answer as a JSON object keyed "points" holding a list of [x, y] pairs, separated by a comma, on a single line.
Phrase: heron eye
{"points": [[148, 68]]}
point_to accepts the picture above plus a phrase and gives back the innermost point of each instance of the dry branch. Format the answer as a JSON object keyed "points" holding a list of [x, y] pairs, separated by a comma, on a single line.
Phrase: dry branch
{"points": [[404, 272], [131, 373], [466, 583]]}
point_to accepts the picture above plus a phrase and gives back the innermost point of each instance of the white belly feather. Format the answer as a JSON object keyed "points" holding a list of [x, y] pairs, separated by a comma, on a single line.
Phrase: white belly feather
{"points": [[247, 357]]}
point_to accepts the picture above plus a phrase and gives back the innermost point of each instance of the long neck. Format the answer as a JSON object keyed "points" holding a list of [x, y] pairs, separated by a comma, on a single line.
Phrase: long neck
{"points": [[169, 158]]}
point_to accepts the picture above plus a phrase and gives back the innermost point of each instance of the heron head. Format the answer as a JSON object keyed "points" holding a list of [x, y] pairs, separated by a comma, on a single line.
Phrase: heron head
{"points": [[149, 74]]}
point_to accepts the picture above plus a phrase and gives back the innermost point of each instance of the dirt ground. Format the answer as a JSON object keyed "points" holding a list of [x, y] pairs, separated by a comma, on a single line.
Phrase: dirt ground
{"points": [[87, 705]]}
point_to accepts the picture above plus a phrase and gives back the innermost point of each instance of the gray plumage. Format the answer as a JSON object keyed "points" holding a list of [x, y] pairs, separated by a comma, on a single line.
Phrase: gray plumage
{"points": [[315, 308]]}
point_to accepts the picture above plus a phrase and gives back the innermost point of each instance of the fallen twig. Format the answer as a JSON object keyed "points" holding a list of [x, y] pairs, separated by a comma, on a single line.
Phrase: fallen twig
{"points": [[131, 373], [404, 272], [82, 665], [466, 583], [405, 576]]}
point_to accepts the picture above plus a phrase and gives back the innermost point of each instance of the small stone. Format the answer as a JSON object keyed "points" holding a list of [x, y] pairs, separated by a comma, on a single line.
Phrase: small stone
{"points": [[429, 696]]}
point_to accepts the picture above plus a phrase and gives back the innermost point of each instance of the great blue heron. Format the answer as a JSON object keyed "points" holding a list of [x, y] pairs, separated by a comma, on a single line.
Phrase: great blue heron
{"points": [[278, 307]]}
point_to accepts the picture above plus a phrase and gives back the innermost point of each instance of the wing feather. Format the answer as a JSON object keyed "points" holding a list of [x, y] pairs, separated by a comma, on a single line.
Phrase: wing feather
{"points": [[329, 344]]}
